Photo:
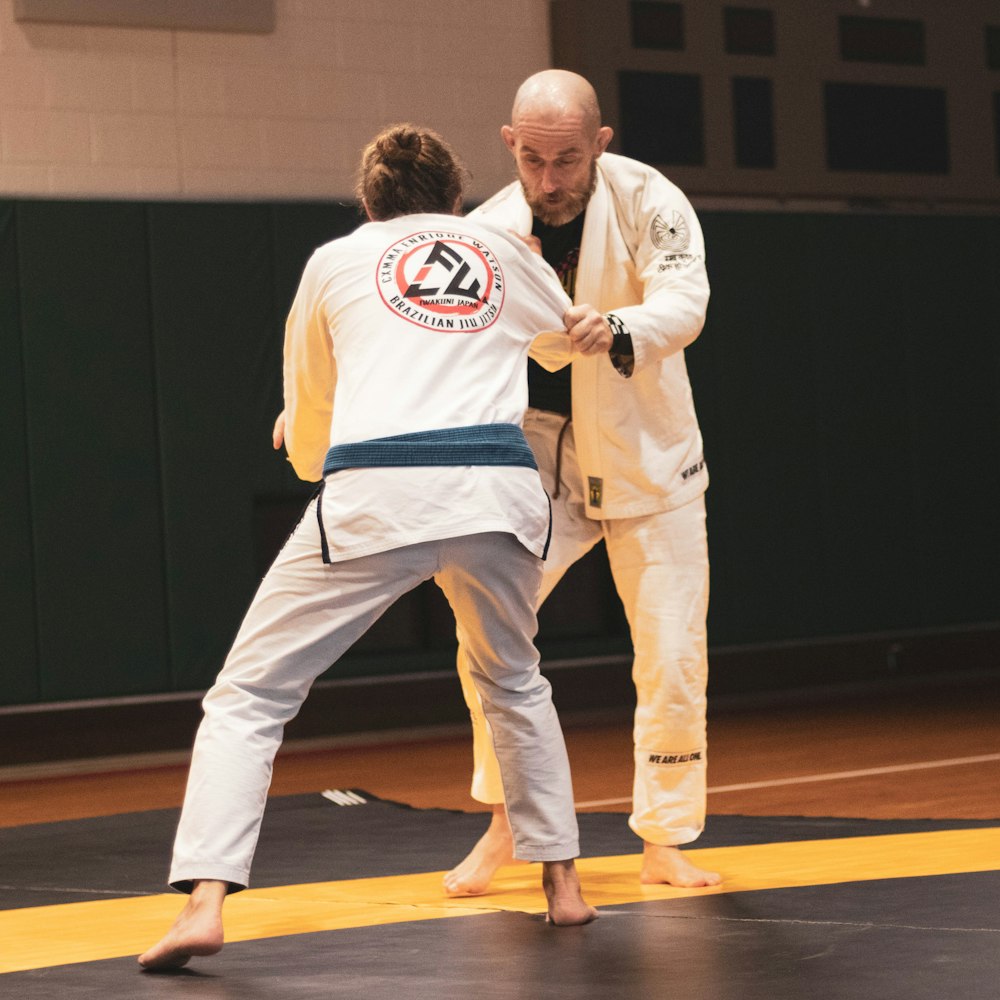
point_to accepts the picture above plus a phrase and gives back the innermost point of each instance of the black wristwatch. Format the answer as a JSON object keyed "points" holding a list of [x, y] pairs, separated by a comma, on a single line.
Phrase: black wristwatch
{"points": [[621, 351]]}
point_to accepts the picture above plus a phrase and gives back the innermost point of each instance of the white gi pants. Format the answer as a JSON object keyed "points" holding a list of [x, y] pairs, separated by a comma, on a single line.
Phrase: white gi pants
{"points": [[660, 567], [305, 615]]}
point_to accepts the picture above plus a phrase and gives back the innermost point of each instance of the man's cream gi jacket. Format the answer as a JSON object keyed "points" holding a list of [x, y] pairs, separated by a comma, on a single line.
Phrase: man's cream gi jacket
{"points": [[642, 258]]}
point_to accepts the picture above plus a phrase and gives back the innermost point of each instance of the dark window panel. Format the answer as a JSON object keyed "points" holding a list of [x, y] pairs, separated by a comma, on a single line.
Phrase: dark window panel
{"points": [[749, 31], [753, 122], [661, 117], [996, 125], [992, 47], [886, 129], [880, 40], [657, 25]]}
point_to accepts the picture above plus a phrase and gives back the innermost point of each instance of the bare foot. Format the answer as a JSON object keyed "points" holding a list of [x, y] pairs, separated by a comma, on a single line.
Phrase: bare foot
{"points": [[493, 850], [669, 865], [196, 931], [567, 906]]}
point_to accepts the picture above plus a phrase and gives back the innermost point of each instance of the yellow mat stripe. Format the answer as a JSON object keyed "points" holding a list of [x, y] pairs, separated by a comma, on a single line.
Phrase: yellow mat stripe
{"points": [[44, 936]]}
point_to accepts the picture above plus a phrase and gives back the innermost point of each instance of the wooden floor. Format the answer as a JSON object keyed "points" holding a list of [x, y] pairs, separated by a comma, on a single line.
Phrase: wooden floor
{"points": [[932, 753]]}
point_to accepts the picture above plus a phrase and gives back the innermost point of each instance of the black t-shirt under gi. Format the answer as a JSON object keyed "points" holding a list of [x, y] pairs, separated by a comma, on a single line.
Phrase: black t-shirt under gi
{"points": [[561, 250]]}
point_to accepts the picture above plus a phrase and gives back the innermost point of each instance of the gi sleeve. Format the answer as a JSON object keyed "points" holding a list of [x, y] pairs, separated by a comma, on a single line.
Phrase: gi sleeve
{"points": [[546, 302], [669, 254], [310, 377]]}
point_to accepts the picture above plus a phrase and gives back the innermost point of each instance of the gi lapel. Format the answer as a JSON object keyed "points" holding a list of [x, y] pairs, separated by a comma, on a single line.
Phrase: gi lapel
{"points": [[516, 213], [590, 270]]}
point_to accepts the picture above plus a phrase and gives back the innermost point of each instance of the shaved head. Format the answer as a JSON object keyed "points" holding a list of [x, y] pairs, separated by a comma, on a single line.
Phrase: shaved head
{"points": [[557, 93]]}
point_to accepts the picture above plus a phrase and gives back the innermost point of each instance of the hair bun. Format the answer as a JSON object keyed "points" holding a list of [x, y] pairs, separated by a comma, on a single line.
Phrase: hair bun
{"points": [[407, 169], [400, 145]]}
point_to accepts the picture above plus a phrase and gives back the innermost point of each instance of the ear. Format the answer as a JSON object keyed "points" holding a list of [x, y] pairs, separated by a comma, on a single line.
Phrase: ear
{"points": [[604, 136], [368, 211], [507, 134]]}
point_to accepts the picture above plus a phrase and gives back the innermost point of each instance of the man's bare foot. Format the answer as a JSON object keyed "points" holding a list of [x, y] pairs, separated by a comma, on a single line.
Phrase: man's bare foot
{"points": [[196, 931], [567, 907], [493, 850], [669, 865]]}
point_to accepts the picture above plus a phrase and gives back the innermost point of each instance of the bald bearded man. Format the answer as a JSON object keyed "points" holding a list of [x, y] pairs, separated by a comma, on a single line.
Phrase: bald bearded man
{"points": [[618, 447]]}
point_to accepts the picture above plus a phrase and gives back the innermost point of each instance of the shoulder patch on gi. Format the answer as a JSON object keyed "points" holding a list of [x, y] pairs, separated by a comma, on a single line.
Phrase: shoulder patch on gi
{"points": [[673, 236]]}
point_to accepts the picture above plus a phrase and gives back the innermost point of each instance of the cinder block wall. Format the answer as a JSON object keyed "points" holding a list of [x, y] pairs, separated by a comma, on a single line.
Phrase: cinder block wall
{"points": [[103, 111]]}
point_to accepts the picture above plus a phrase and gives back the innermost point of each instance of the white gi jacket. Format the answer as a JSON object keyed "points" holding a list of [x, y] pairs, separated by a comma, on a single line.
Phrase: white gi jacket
{"points": [[643, 258], [423, 322]]}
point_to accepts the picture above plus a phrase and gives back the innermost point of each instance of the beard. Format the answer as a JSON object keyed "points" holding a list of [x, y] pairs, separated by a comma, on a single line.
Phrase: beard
{"points": [[565, 206]]}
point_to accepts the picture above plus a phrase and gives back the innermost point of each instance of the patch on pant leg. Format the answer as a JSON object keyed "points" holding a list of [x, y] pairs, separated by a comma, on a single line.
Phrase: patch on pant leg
{"points": [[595, 491], [686, 757]]}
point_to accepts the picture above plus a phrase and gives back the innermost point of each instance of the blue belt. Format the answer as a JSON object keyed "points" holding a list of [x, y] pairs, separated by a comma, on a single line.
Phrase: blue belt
{"points": [[478, 444]]}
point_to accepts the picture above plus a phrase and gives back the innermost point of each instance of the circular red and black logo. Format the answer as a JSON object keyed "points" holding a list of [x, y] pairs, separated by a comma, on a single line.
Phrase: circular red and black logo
{"points": [[442, 281]]}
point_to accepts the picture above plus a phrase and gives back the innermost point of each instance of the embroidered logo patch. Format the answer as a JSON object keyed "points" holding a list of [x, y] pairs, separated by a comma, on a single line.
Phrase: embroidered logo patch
{"points": [[676, 261], [675, 758], [693, 470], [595, 490], [442, 281], [673, 236]]}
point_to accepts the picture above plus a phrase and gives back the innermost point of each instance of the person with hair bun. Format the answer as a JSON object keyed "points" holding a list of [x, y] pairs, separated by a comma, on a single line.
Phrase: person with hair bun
{"points": [[405, 385]]}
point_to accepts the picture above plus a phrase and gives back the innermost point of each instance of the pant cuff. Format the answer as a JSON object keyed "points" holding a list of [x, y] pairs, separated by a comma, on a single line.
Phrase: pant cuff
{"points": [[547, 852], [666, 837], [183, 875]]}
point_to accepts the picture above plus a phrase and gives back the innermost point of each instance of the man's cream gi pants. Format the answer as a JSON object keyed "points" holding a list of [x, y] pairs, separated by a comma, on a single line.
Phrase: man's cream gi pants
{"points": [[305, 615], [660, 567]]}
